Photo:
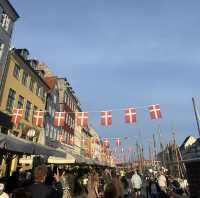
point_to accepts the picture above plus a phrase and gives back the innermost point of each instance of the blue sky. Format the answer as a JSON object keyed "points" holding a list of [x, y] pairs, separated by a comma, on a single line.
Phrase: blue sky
{"points": [[120, 53]]}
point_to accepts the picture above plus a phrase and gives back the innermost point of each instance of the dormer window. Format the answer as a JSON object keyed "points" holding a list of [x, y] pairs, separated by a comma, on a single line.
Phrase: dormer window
{"points": [[24, 53], [25, 78], [1, 48], [5, 21]]}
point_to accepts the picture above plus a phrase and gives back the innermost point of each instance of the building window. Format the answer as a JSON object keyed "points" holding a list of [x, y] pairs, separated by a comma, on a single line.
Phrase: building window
{"points": [[55, 133], [66, 118], [5, 21], [50, 110], [24, 78], [1, 49], [31, 86], [73, 124], [44, 95], [20, 102], [37, 90], [10, 100], [16, 71], [34, 110], [68, 101], [70, 122], [53, 111], [40, 92], [66, 98], [51, 132], [47, 130], [28, 109], [54, 99]]}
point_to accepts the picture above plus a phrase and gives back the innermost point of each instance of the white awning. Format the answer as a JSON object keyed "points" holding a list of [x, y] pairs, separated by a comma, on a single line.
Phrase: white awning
{"points": [[57, 160]]}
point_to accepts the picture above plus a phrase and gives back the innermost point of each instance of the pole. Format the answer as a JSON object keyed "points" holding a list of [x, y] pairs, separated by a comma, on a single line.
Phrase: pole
{"points": [[154, 145], [138, 154], [150, 157], [161, 146], [196, 115], [176, 154]]}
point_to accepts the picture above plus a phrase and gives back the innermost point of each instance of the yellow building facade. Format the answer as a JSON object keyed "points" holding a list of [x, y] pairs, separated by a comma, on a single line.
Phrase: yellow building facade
{"points": [[23, 88]]}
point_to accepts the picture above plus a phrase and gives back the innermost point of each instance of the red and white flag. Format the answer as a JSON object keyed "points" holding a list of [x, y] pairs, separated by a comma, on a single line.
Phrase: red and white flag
{"points": [[38, 118], [101, 149], [92, 151], [106, 142], [130, 115], [61, 137], [130, 149], [82, 119], [118, 141], [71, 140], [97, 140], [83, 141], [154, 111], [93, 140], [106, 118], [59, 119], [17, 116]]}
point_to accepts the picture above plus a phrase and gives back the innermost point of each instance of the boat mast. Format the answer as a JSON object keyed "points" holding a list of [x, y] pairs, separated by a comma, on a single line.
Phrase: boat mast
{"points": [[196, 114]]}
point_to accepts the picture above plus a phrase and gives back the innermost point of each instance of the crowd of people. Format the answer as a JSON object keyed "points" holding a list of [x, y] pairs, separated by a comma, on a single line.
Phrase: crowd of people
{"points": [[90, 182]]}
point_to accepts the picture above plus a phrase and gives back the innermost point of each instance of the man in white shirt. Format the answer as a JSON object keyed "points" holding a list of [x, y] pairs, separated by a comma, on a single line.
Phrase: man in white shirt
{"points": [[162, 182], [2, 193], [136, 183]]}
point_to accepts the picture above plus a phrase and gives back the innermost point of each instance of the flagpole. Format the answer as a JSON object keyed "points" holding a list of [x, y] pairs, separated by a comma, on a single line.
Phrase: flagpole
{"points": [[161, 146], [154, 147], [196, 115]]}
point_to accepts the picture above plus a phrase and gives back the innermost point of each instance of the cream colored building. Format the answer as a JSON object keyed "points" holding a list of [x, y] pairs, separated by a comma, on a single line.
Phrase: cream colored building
{"points": [[95, 150], [25, 89]]}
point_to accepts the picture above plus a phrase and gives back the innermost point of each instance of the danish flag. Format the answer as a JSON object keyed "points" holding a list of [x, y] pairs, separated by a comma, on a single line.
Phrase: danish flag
{"points": [[154, 111], [97, 140], [17, 116], [83, 141], [130, 149], [38, 118], [106, 118], [59, 119], [93, 140], [82, 119], [106, 142], [102, 149], [71, 140], [92, 151], [118, 141], [62, 137], [130, 115]]}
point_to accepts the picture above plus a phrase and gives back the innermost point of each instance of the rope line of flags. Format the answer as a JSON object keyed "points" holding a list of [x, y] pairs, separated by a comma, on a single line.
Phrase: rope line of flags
{"points": [[82, 118]]}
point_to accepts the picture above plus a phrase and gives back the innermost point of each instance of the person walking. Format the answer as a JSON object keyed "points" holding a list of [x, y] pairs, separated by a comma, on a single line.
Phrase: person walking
{"points": [[2, 193], [153, 188], [136, 183], [41, 190], [162, 183], [92, 186], [125, 184]]}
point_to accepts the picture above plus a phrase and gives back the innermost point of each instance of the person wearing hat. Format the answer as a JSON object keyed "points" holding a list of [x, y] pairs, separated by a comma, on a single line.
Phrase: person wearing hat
{"points": [[2, 193]]}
